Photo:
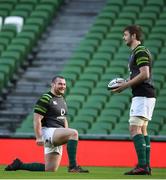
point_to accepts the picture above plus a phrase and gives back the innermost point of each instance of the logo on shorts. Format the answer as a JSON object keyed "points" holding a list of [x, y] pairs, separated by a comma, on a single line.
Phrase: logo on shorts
{"points": [[47, 143]]}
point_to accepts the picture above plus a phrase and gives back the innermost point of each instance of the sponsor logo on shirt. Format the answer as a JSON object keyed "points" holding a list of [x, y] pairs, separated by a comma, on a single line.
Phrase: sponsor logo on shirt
{"points": [[54, 102]]}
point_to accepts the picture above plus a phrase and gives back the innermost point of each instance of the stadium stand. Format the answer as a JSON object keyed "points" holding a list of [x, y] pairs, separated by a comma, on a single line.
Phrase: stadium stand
{"points": [[91, 62], [22, 26], [54, 22], [110, 57]]}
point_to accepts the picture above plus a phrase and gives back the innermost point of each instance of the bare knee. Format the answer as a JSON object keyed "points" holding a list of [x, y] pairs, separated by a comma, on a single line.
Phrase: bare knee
{"points": [[144, 130], [52, 161], [74, 134], [134, 130], [51, 169]]}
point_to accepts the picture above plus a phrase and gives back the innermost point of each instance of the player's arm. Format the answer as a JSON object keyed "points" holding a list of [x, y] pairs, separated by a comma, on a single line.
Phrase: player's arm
{"points": [[66, 123], [37, 128], [40, 110], [142, 76], [142, 61]]}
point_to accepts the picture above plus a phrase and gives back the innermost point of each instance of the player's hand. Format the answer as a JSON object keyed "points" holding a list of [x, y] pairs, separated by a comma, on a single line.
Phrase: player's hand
{"points": [[122, 86], [39, 141]]}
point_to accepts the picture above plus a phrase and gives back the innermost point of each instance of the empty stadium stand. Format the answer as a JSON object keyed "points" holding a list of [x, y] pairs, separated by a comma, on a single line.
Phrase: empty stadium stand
{"points": [[49, 44], [84, 44], [104, 57]]}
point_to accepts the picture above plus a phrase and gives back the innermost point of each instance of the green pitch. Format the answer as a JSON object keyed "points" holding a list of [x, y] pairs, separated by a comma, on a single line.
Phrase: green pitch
{"points": [[95, 173]]}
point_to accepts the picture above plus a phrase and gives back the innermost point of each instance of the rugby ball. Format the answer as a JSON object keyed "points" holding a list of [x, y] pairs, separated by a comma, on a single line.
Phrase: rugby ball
{"points": [[114, 83]]}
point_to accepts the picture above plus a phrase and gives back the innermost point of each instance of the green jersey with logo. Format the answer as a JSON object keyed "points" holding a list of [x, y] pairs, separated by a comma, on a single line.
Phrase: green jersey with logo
{"points": [[53, 108], [141, 57]]}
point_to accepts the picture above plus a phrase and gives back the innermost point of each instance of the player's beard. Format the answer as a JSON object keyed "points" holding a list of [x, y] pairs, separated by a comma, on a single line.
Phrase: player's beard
{"points": [[59, 92], [128, 43]]}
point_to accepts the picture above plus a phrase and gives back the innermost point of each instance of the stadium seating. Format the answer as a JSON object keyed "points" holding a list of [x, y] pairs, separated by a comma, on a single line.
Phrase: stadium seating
{"points": [[108, 59], [16, 21], [100, 57], [30, 19]]}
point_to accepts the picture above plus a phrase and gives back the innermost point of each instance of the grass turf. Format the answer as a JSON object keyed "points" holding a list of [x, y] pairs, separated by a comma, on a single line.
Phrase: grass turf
{"points": [[95, 173]]}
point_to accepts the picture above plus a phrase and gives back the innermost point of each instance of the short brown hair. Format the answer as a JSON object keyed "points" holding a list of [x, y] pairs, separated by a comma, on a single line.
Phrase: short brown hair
{"points": [[134, 29], [55, 78]]}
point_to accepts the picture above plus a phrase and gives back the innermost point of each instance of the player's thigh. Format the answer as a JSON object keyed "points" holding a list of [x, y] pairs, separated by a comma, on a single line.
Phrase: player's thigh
{"points": [[52, 161], [144, 127], [62, 135], [136, 124]]}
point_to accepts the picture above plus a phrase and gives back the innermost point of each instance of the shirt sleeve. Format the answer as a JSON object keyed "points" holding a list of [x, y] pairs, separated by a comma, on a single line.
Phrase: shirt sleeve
{"points": [[42, 104], [142, 59]]}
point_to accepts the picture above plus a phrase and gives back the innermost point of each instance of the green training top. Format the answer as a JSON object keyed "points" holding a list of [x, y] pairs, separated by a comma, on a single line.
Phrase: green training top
{"points": [[53, 109], [141, 57]]}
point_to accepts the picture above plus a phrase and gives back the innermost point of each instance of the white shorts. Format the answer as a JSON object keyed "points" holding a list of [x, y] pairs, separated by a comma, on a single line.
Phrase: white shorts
{"points": [[49, 147], [143, 107]]}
